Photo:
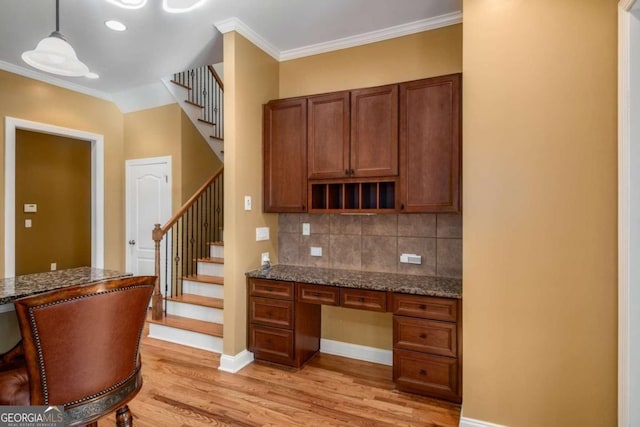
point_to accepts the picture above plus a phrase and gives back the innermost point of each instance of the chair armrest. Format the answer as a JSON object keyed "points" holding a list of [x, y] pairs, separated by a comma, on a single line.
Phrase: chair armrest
{"points": [[12, 358]]}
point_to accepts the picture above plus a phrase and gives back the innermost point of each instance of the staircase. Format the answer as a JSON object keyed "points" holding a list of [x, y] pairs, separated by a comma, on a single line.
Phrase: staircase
{"points": [[188, 305], [195, 317], [200, 93]]}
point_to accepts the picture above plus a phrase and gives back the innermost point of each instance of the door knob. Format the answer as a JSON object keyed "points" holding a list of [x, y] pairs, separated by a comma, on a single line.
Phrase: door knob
{"points": [[132, 242]]}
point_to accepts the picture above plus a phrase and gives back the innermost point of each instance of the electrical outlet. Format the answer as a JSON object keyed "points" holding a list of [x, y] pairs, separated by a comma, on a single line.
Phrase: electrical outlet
{"points": [[27, 223], [306, 229], [264, 259], [315, 251], [247, 203], [54, 266], [410, 259]]}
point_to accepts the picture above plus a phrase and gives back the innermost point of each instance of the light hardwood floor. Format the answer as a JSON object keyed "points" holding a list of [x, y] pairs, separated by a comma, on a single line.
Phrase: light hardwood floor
{"points": [[183, 387]]}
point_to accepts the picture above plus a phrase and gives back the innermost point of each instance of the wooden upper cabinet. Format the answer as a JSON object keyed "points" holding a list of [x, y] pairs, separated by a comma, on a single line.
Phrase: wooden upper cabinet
{"points": [[328, 136], [430, 145], [374, 131], [285, 155]]}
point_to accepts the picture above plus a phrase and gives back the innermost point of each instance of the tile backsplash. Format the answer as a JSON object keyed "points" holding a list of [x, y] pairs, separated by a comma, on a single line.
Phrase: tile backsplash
{"points": [[375, 242]]}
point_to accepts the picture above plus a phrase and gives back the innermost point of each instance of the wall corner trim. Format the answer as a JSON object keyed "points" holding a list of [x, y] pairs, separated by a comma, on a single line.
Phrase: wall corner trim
{"points": [[470, 422], [355, 351], [233, 364]]}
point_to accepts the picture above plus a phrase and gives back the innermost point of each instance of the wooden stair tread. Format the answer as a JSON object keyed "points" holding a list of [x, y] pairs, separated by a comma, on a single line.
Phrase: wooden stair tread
{"points": [[203, 278], [195, 104], [199, 300], [207, 122], [208, 328], [180, 84], [211, 260], [216, 243], [220, 140]]}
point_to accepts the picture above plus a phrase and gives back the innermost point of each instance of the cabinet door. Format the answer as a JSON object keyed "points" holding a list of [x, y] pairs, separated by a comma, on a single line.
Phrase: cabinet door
{"points": [[328, 136], [285, 155], [374, 131], [430, 145]]}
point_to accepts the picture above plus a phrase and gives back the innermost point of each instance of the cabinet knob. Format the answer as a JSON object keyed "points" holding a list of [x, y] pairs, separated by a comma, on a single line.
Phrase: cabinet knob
{"points": [[423, 372], [346, 171], [401, 206], [351, 172], [423, 335], [361, 299], [422, 307], [270, 314]]}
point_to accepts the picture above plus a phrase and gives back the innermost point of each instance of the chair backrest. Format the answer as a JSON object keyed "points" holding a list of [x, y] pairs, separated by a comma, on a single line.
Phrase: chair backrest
{"points": [[82, 343]]}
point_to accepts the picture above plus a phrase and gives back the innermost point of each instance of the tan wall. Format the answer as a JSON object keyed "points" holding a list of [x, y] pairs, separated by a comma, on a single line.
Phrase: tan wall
{"points": [[199, 162], [417, 56], [251, 79], [29, 99], [539, 257], [53, 172], [156, 132]]}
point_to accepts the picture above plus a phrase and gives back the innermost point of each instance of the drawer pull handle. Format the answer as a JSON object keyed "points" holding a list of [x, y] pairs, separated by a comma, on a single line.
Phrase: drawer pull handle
{"points": [[423, 335], [268, 340], [269, 289], [361, 299], [423, 372], [422, 307]]}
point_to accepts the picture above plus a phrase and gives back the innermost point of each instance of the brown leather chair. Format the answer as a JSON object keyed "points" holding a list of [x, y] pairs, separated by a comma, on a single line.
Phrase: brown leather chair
{"points": [[80, 349]]}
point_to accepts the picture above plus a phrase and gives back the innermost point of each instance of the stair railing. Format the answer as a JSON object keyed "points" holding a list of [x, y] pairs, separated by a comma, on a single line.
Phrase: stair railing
{"points": [[185, 238], [207, 92]]}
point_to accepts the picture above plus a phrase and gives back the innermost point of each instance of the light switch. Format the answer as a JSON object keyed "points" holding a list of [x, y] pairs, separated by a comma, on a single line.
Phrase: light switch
{"points": [[27, 223], [30, 208], [247, 203], [306, 229], [315, 251]]}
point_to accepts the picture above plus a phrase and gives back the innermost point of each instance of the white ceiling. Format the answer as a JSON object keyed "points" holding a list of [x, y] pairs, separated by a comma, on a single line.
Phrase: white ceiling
{"points": [[157, 43]]}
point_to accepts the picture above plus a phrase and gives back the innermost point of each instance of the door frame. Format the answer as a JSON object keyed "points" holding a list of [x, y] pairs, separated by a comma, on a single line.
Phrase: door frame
{"points": [[169, 201], [628, 212], [11, 125]]}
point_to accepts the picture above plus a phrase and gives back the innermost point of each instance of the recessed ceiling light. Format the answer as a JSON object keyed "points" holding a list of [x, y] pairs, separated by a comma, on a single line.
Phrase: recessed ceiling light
{"points": [[115, 25], [181, 6], [129, 4], [92, 75]]}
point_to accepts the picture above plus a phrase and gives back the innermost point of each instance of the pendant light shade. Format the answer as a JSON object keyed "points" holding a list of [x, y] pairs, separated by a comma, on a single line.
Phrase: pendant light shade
{"points": [[55, 55]]}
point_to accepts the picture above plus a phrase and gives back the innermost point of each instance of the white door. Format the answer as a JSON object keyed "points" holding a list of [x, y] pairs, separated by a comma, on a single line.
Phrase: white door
{"points": [[148, 202]]}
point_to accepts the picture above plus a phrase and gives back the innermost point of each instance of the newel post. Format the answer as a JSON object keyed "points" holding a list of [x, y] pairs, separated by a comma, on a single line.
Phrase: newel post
{"points": [[156, 299]]}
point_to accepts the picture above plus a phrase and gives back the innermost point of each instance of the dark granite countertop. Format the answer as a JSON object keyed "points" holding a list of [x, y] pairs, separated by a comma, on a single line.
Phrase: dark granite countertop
{"points": [[30, 284], [393, 282]]}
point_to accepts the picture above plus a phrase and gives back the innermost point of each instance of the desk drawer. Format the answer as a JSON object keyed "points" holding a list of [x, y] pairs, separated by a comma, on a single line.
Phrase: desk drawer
{"points": [[428, 336], [271, 312], [426, 307], [271, 289], [318, 294], [363, 300], [271, 344], [435, 376]]}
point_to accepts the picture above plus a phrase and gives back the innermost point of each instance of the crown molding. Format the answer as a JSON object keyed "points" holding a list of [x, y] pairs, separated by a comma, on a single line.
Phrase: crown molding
{"points": [[235, 24], [374, 36], [25, 72], [627, 5]]}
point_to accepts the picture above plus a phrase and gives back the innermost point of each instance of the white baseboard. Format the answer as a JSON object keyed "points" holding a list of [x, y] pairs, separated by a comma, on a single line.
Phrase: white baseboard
{"points": [[5, 308], [233, 364], [470, 422], [355, 351]]}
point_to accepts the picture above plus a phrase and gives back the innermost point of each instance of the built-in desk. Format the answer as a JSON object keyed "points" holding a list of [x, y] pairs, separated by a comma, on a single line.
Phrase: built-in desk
{"points": [[284, 320]]}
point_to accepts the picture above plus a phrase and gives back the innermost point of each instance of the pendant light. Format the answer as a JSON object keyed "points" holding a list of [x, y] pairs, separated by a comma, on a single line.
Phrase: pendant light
{"points": [[55, 55]]}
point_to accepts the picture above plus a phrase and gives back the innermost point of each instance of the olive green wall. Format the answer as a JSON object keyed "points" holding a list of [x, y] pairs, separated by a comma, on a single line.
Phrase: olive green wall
{"points": [[412, 57], [55, 173], [540, 216]]}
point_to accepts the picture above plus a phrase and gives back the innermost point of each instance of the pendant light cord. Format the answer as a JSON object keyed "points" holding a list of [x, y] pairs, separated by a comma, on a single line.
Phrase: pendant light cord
{"points": [[57, 16]]}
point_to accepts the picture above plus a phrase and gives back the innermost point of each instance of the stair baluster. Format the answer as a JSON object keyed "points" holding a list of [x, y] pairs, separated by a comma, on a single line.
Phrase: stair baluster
{"points": [[199, 221]]}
